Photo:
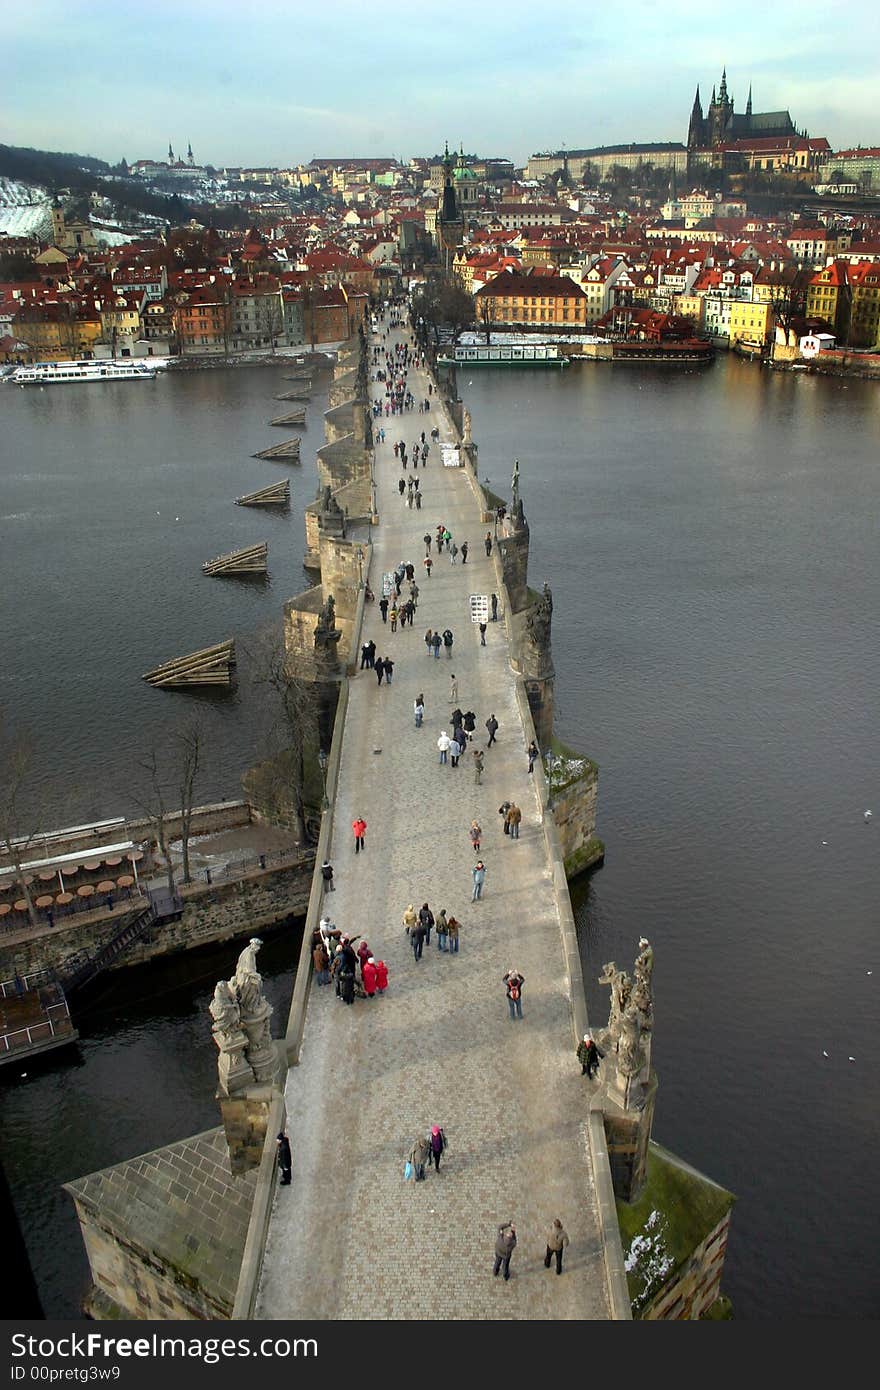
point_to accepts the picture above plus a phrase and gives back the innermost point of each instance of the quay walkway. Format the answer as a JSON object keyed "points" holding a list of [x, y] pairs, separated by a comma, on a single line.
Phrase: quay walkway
{"points": [[349, 1239]]}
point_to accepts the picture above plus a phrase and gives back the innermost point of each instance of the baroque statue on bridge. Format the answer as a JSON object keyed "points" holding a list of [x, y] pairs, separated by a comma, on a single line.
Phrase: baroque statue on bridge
{"points": [[627, 1037], [540, 617]]}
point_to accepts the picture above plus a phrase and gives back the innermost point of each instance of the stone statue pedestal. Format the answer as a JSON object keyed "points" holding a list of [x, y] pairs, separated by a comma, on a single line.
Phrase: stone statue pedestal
{"points": [[261, 1052], [234, 1073], [627, 1131], [246, 1122]]}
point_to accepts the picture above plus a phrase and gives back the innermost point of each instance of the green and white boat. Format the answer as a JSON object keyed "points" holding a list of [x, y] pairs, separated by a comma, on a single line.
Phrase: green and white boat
{"points": [[504, 355]]}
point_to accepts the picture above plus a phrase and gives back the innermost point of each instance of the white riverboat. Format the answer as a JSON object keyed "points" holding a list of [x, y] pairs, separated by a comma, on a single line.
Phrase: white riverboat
{"points": [[50, 373], [504, 355]]}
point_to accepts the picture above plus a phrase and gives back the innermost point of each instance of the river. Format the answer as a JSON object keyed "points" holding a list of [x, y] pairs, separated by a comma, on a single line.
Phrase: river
{"points": [[710, 538]]}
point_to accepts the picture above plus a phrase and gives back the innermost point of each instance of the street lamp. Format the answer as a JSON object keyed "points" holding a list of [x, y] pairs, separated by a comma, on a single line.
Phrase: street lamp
{"points": [[322, 759]]}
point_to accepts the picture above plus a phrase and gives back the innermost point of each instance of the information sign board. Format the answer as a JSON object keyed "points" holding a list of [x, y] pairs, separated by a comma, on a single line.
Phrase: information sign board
{"points": [[479, 608]]}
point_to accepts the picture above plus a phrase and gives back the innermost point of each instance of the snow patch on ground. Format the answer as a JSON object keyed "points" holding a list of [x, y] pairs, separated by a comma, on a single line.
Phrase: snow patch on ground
{"points": [[24, 209], [649, 1258]]}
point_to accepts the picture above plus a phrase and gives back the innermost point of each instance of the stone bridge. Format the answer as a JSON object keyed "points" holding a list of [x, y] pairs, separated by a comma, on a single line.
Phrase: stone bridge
{"points": [[439, 1046]]}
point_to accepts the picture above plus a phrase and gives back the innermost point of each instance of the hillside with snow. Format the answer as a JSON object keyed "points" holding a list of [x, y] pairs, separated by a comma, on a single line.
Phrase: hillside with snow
{"points": [[25, 209]]}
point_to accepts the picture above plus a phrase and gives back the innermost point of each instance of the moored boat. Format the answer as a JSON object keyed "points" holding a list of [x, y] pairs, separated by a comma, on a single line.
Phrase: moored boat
{"points": [[504, 355], [51, 373]]}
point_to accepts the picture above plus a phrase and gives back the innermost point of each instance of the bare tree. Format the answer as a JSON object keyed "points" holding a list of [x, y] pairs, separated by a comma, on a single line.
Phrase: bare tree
{"points": [[294, 731], [190, 739], [154, 807], [484, 314], [271, 316], [788, 298], [16, 756]]}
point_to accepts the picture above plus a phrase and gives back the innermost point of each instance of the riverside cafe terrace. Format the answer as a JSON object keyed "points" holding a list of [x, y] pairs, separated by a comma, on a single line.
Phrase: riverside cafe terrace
{"points": [[78, 880]]}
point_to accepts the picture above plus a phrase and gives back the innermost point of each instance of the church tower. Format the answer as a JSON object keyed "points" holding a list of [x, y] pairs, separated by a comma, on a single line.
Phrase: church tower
{"points": [[697, 127], [450, 223], [170, 153], [190, 157]]}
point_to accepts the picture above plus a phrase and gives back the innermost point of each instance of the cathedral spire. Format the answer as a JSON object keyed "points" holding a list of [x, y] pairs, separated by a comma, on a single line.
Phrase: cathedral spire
{"points": [[696, 126], [749, 102], [170, 153], [722, 95]]}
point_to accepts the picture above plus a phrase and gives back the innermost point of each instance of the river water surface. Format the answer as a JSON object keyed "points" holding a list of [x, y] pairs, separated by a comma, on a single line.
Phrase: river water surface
{"points": [[711, 539]]}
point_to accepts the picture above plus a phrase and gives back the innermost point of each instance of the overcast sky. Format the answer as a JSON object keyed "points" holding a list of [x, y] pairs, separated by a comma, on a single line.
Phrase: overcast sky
{"points": [[281, 81]]}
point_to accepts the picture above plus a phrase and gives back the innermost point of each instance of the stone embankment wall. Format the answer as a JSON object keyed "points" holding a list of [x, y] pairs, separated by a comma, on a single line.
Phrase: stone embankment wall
{"points": [[215, 912]]}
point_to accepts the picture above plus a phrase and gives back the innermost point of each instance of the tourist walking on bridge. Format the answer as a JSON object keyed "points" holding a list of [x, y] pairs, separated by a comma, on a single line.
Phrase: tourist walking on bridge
{"points": [[453, 689], [589, 1056], [514, 816], [475, 834], [321, 963], [442, 929], [426, 919], [438, 1144], [452, 928], [488, 543], [556, 1243], [285, 1162], [464, 551], [383, 608], [419, 710], [505, 1244], [359, 826], [478, 767], [534, 753], [419, 1156], [478, 874], [492, 727], [514, 981], [447, 641], [443, 745]]}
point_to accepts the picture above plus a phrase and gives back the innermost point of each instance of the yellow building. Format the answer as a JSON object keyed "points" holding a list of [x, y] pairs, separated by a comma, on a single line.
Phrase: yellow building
{"points": [[749, 322], [121, 318], [864, 279], [828, 296], [54, 333], [689, 306], [553, 301]]}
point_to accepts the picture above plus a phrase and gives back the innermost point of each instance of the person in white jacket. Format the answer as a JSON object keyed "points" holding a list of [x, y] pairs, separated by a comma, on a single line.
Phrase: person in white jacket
{"points": [[443, 745]]}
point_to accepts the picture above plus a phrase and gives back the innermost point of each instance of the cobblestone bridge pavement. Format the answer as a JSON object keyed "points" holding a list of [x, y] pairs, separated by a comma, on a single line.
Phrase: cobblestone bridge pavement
{"points": [[349, 1239]]}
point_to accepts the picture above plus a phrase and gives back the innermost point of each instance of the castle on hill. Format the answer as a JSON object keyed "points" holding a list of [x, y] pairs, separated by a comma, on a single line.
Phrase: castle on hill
{"points": [[722, 125]]}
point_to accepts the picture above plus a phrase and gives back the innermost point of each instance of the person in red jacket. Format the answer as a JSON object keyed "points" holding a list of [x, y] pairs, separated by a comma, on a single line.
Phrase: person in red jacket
{"points": [[369, 974], [381, 976], [359, 826]]}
